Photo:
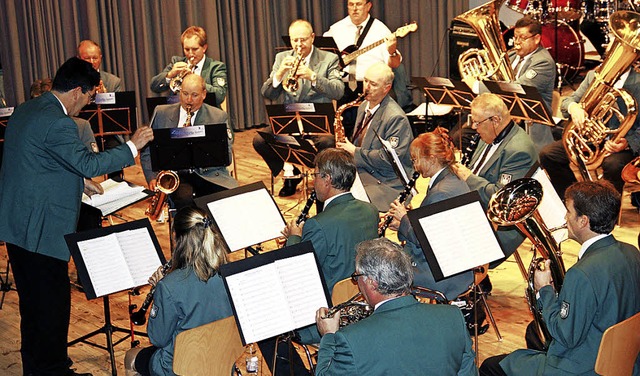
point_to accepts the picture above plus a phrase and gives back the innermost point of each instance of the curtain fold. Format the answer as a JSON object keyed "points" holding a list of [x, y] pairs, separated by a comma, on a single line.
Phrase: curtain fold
{"points": [[138, 39]]}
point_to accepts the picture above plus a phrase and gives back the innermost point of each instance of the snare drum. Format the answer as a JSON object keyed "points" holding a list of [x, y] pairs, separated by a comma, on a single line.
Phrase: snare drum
{"points": [[564, 10], [533, 8]]}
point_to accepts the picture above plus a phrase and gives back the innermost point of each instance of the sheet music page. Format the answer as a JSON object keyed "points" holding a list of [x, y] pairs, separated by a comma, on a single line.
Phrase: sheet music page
{"points": [[247, 219], [358, 191], [105, 264], [552, 209], [461, 238], [140, 254], [396, 159], [302, 286], [114, 206], [116, 196], [260, 303]]}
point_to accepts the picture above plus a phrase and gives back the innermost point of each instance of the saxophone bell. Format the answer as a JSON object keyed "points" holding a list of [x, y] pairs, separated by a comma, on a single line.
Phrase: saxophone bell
{"points": [[167, 182]]}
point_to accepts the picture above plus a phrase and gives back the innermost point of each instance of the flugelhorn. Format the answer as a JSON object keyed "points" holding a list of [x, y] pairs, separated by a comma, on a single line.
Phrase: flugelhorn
{"points": [[351, 311], [176, 83], [516, 204], [584, 144], [290, 83], [140, 316], [167, 182]]}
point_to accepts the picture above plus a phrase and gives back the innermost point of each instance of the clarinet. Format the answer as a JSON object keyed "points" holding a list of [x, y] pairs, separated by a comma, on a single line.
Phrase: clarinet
{"points": [[140, 317], [402, 198], [468, 151], [307, 206]]}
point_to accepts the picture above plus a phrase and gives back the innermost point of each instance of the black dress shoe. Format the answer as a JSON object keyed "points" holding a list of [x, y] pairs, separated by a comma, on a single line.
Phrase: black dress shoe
{"points": [[289, 187], [635, 199]]}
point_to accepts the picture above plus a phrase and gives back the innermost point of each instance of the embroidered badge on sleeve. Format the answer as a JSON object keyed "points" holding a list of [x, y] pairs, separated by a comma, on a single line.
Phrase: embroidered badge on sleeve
{"points": [[564, 310]]}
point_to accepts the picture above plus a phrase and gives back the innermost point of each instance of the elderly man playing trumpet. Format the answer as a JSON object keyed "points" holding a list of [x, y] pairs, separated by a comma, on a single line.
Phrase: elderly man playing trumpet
{"points": [[402, 336]]}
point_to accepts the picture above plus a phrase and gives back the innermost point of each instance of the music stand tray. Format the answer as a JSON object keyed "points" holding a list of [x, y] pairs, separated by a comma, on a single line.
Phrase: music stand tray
{"points": [[301, 118], [291, 149], [524, 102], [441, 90], [114, 114]]}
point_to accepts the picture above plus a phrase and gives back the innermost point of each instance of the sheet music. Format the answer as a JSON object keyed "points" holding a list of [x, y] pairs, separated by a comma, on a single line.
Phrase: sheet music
{"points": [[552, 209], [105, 264], [396, 159], [116, 195], [358, 191], [120, 260], [140, 254], [259, 299], [247, 219], [301, 282], [461, 238]]}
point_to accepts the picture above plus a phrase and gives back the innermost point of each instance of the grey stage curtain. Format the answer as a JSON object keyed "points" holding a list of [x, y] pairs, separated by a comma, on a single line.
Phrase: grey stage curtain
{"points": [[139, 37]]}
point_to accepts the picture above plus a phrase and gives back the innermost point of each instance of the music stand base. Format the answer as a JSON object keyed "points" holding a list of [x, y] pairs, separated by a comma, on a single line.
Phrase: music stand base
{"points": [[5, 284], [108, 329]]}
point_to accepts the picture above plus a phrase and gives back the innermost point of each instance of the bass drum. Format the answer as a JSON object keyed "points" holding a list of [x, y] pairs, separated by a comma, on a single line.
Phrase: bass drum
{"points": [[568, 52]]}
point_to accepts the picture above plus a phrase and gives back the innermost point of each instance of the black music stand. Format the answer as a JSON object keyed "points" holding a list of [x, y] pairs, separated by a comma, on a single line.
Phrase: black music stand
{"points": [[323, 43], [88, 267], [524, 102], [197, 146], [314, 119], [113, 114], [153, 102]]}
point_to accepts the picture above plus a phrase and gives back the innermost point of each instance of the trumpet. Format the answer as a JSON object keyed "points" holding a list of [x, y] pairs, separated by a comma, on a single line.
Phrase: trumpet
{"points": [[140, 317], [291, 83], [167, 182], [176, 83]]}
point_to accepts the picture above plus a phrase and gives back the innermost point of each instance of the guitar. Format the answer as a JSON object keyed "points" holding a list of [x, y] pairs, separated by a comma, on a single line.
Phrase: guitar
{"points": [[350, 53]]}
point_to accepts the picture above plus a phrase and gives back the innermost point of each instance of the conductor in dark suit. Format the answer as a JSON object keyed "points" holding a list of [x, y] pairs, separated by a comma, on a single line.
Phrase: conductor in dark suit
{"points": [[200, 181], [319, 78], [505, 153], [600, 290], [40, 194], [432, 153], [402, 336], [380, 118], [194, 45]]}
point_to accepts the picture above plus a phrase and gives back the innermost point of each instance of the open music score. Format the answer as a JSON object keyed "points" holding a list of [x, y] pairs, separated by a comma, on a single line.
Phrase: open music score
{"points": [[115, 258], [275, 292]]}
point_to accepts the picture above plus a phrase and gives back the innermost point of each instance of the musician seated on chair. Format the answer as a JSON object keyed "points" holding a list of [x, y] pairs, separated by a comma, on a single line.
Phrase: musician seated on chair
{"points": [[554, 157], [190, 294], [194, 46], [380, 119], [200, 181], [600, 290], [402, 336], [504, 153], [432, 153], [319, 81]]}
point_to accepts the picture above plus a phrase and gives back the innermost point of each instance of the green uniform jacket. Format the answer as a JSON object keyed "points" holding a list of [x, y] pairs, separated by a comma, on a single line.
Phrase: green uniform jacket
{"points": [[41, 180], [401, 337], [600, 290]]}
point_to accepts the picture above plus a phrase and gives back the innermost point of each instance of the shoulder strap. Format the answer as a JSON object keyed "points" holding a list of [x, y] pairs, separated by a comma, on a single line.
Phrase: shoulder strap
{"points": [[364, 32]]}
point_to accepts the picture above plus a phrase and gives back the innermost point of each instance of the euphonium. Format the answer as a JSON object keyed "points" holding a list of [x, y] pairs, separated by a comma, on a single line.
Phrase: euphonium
{"points": [[167, 182], [585, 144], [516, 204], [492, 61], [176, 83], [290, 83], [338, 128]]}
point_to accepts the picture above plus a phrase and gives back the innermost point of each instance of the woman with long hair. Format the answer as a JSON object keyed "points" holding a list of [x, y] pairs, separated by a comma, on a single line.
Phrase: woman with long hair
{"points": [[191, 294]]}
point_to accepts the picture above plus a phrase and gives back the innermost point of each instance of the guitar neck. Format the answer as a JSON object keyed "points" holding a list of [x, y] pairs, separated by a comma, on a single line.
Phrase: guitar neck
{"points": [[354, 55]]}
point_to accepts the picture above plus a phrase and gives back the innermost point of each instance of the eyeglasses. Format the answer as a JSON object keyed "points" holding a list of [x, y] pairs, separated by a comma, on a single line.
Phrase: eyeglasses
{"points": [[355, 275], [520, 38], [476, 123], [300, 40]]}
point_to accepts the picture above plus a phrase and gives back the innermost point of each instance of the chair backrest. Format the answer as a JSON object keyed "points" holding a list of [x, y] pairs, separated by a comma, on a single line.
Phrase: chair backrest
{"points": [[209, 349], [619, 348], [343, 290]]}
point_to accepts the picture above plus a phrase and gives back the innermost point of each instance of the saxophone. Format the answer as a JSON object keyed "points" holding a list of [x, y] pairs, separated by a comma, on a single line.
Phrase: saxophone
{"points": [[337, 121]]}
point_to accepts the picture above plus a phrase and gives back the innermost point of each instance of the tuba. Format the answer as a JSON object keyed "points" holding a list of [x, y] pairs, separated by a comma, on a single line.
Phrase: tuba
{"points": [[492, 61], [167, 182], [516, 204], [585, 144]]}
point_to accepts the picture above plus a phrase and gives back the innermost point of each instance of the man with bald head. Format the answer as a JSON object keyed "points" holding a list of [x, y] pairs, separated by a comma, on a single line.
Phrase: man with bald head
{"points": [[200, 181], [380, 118], [91, 52], [505, 153]]}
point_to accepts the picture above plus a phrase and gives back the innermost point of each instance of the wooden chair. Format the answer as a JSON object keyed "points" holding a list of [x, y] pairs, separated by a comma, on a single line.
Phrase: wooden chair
{"points": [[343, 290], [619, 348], [210, 349]]}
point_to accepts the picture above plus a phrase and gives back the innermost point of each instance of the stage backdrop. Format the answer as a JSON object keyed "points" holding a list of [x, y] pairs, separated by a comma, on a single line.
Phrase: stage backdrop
{"points": [[139, 37]]}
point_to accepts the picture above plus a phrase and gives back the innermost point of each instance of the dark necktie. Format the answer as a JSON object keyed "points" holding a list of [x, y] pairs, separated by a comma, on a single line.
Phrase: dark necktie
{"points": [[358, 135], [187, 122]]}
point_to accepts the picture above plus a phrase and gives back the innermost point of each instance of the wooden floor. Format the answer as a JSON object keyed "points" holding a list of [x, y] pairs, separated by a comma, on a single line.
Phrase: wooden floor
{"points": [[506, 302]]}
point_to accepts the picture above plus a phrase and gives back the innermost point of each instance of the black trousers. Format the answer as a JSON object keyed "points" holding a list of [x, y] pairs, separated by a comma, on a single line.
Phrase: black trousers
{"points": [[274, 161], [45, 304], [554, 159], [491, 366]]}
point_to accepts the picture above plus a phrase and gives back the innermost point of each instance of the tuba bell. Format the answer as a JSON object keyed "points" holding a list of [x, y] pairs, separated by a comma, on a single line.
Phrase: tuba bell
{"points": [[516, 204], [492, 61], [585, 144], [167, 182]]}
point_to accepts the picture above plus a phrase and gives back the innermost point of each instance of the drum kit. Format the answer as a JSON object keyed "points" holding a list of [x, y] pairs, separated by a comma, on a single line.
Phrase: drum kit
{"points": [[561, 26]]}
